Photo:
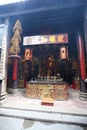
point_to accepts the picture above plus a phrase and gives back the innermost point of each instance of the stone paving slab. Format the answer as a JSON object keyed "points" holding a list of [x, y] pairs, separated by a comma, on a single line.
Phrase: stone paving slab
{"points": [[71, 111], [12, 123], [44, 116], [73, 105]]}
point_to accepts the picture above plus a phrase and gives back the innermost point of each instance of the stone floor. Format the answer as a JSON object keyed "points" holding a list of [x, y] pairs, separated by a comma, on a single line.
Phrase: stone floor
{"points": [[10, 123], [72, 110], [73, 105]]}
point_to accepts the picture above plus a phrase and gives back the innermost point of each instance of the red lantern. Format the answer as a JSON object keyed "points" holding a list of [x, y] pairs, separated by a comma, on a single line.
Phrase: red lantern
{"points": [[28, 54], [63, 53]]}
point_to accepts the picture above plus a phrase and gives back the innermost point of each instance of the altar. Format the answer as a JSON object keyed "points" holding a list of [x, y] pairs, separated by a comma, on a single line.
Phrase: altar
{"points": [[40, 89]]}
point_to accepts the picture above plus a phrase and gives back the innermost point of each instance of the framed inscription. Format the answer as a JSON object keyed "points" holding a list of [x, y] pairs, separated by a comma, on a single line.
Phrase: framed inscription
{"points": [[46, 39]]}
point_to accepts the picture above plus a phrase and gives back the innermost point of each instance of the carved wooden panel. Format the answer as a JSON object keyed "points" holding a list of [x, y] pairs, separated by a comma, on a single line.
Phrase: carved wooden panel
{"points": [[55, 91]]}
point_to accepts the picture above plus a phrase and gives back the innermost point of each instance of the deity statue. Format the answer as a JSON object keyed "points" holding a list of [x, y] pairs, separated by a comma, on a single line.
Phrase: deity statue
{"points": [[16, 39], [51, 65]]}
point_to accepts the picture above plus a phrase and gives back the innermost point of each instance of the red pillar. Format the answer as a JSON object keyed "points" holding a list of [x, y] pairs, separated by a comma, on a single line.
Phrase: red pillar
{"points": [[15, 69], [13, 73], [82, 68]]}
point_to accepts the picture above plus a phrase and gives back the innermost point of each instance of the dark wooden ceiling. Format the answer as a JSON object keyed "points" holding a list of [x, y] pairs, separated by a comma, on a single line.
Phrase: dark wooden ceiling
{"points": [[53, 21], [31, 6], [46, 16], [40, 17]]}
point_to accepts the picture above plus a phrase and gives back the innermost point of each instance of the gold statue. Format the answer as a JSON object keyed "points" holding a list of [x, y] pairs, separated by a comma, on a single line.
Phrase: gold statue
{"points": [[16, 39]]}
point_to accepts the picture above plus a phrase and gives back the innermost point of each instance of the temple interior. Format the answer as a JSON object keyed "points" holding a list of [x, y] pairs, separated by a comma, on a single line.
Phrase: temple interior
{"points": [[46, 62]]}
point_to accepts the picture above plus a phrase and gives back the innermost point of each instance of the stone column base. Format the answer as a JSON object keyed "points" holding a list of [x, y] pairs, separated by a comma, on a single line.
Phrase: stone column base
{"points": [[12, 91], [3, 98], [83, 90], [83, 96]]}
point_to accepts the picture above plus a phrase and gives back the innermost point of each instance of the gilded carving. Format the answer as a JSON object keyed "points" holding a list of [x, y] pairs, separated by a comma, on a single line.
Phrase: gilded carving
{"points": [[16, 39], [57, 91]]}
